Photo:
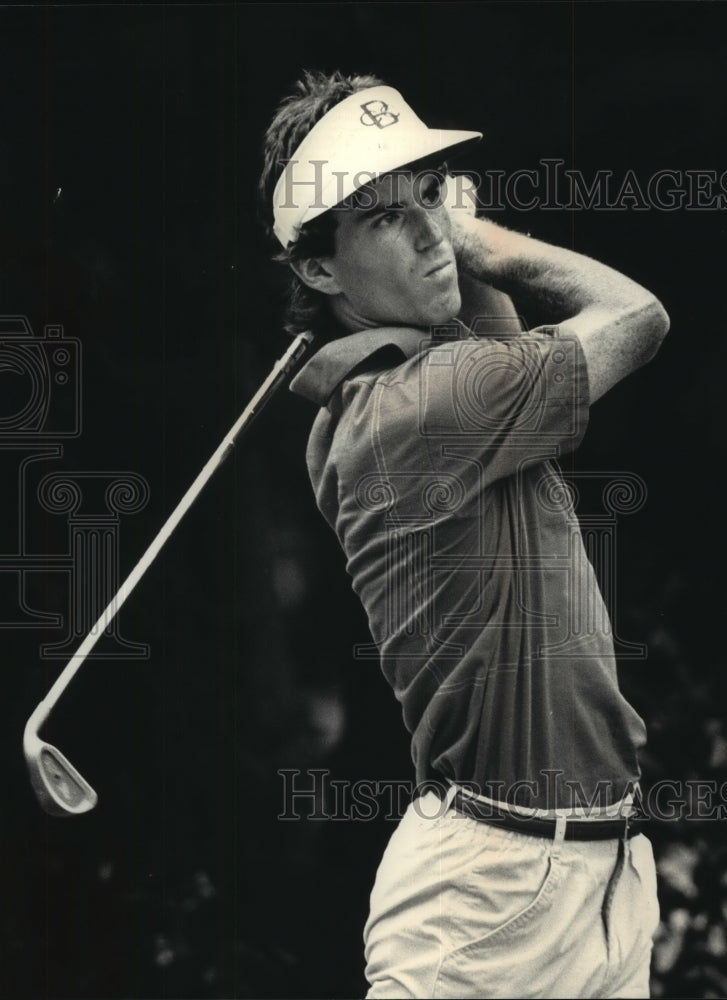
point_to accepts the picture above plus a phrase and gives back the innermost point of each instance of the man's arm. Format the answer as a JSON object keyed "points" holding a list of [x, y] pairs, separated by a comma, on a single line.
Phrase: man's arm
{"points": [[619, 324]]}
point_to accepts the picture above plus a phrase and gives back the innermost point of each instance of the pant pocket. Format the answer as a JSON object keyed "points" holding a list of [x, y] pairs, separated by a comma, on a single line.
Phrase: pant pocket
{"points": [[641, 860], [496, 935], [633, 921]]}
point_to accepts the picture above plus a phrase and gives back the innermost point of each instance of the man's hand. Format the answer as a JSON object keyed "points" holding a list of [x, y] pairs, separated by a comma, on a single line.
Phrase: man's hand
{"points": [[485, 310]]}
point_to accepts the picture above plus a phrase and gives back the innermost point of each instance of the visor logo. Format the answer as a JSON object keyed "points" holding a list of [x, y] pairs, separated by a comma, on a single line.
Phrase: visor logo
{"points": [[377, 113]]}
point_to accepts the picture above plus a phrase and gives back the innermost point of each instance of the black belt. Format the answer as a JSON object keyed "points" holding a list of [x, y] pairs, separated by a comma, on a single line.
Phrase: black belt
{"points": [[575, 829]]}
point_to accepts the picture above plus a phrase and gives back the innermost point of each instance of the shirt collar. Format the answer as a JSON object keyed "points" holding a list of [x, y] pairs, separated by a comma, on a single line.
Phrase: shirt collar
{"points": [[335, 361]]}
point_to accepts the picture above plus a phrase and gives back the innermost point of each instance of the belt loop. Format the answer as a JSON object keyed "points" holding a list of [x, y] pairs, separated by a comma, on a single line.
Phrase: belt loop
{"points": [[625, 836], [558, 836], [451, 792]]}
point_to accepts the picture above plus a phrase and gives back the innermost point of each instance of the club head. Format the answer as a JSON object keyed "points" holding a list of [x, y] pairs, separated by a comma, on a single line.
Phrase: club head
{"points": [[60, 789]]}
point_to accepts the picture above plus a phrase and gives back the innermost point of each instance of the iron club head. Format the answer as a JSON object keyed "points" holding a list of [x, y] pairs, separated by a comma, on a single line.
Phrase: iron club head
{"points": [[60, 789]]}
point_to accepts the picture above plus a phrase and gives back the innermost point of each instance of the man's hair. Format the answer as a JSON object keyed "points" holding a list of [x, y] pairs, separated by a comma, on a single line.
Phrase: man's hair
{"points": [[313, 96]]}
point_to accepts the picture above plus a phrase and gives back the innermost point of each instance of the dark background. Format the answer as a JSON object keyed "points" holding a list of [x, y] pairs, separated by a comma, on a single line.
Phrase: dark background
{"points": [[183, 882]]}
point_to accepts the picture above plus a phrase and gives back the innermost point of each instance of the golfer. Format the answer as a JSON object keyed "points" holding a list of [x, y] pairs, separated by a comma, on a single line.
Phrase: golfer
{"points": [[520, 870]]}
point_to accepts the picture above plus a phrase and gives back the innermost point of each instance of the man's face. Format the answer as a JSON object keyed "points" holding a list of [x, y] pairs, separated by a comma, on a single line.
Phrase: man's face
{"points": [[393, 260]]}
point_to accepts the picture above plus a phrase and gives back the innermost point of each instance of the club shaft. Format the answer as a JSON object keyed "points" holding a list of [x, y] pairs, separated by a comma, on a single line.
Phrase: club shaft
{"points": [[268, 388]]}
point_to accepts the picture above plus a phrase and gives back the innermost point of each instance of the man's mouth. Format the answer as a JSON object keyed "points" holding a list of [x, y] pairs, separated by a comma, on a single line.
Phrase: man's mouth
{"points": [[438, 268]]}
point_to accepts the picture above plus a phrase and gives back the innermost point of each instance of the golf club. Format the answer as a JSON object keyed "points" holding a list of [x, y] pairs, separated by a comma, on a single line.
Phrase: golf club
{"points": [[59, 787]]}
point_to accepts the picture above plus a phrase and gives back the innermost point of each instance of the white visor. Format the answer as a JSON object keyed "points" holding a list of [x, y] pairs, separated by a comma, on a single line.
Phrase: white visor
{"points": [[363, 137]]}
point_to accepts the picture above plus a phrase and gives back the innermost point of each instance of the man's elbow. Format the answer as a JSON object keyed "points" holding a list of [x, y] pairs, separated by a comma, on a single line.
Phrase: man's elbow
{"points": [[654, 325]]}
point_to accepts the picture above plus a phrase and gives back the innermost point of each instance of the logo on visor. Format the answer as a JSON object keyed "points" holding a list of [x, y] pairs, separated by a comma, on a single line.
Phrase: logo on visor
{"points": [[377, 113]]}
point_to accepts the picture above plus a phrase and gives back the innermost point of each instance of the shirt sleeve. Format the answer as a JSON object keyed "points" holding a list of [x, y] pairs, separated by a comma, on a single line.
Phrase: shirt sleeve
{"points": [[509, 401]]}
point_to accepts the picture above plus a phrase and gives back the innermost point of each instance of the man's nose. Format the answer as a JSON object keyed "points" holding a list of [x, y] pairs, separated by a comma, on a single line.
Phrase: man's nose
{"points": [[429, 231]]}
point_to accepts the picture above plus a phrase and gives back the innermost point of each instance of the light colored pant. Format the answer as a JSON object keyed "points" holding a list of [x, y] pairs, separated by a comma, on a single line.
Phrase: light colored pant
{"points": [[465, 909]]}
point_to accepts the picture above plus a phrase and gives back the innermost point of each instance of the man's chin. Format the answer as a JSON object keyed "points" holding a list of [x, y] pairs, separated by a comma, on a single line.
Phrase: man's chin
{"points": [[443, 311]]}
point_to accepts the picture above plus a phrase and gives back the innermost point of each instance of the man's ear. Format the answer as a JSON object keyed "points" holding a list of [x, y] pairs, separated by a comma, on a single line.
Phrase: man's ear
{"points": [[315, 273]]}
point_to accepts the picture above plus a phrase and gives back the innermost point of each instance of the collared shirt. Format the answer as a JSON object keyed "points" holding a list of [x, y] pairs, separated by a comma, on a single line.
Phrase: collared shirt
{"points": [[434, 464]]}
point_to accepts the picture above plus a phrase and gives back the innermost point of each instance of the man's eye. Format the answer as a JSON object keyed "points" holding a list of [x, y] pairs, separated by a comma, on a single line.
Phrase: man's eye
{"points": [[432, 193], [386, 218]]}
